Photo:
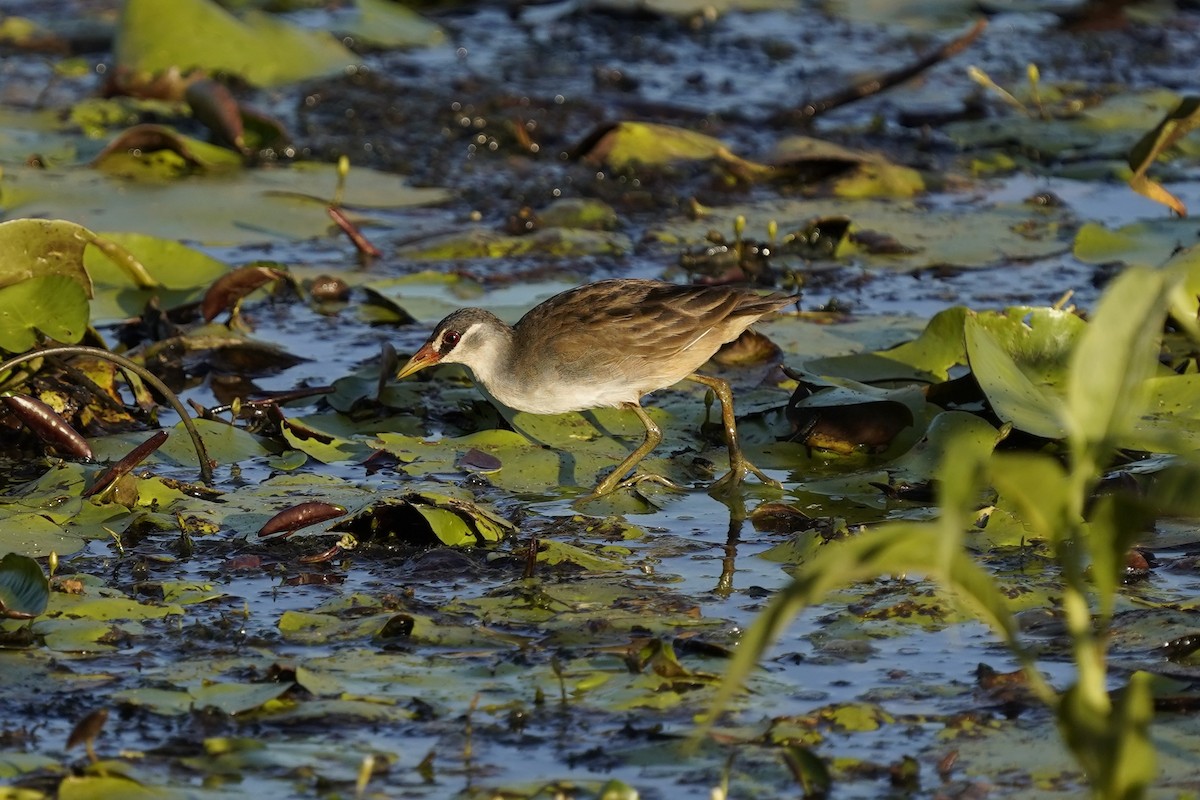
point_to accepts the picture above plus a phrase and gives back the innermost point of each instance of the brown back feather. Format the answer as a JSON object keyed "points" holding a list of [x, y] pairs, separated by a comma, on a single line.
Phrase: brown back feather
{"points": [[639, 329]]}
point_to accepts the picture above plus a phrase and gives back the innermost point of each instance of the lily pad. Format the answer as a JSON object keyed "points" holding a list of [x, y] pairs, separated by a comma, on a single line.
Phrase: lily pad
{"points": [[858, 174], [42, 247], [1013, 395], [1146, 243], [548, 243], [929, 357], [383, 23], [24, 590], [1104, 131], [628, 145], [181, 272], [978, 237], [244, 207], [32, 534], [52, 305], [260, 48]]}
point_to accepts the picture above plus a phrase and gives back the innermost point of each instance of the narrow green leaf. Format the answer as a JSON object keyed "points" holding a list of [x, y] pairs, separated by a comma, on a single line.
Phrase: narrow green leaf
{"points": [[1114, 357], [1179, 122], [887, 550], [1036, 487], [1133, 762]]}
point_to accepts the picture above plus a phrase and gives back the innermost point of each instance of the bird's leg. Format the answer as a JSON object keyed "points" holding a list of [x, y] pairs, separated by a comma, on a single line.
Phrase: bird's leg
{"points": [[613, 481], [739, 465]]}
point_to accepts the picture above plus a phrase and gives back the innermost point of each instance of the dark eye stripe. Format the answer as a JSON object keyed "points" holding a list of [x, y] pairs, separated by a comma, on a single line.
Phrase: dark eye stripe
{"points": [[449, 339]]}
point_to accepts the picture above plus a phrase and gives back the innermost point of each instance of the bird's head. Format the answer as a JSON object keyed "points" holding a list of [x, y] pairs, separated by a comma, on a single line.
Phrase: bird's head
{"points": [[465, 337]]}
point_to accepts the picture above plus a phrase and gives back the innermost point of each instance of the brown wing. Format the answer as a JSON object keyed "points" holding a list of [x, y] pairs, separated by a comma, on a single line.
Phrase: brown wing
{"points": [[641, 330]]}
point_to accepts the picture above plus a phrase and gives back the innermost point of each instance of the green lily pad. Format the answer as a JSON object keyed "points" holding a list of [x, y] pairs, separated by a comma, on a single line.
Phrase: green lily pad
{"points": [[978, 237], [228, 698], [24, 590], [860, 174], [157, 153], [244, 207], [1013, 395], [182, 273], [547, 242], [97, 787], [928, 357], [32, 534], [456, 522], [553, 552], [922, 15], [35, 248], [383, 23], [262, 49], [52, 305], [226, 444], [1104, 131], [689, 9], [1146, 243], [322, 446], [629, 144]]}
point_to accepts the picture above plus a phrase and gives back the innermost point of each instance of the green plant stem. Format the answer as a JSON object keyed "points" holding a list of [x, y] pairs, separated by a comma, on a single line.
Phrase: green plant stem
{"points": [[206, 474], [1089, 651]]}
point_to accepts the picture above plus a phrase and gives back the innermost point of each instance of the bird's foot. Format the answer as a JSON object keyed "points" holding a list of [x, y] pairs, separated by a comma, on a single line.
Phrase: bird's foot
{"points": [[609, 486], [739, 468], [650, 477]]}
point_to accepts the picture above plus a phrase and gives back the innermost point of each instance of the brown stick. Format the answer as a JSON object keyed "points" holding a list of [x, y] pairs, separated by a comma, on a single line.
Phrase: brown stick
{"points": [[879, 83], [356, 236]]}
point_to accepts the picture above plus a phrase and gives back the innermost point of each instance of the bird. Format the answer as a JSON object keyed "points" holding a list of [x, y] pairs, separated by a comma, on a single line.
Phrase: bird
{"points": [[606, 344]]}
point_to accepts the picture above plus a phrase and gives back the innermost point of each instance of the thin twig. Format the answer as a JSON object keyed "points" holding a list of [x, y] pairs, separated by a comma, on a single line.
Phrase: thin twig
{"points": [[356, 236], [879, 83]]}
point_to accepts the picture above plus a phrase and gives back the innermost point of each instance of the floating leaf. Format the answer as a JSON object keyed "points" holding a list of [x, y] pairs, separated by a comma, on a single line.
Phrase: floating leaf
{"points": [[549, 242], [32, 534], [177, 273], [233, 286], [158, 153], [24, 590], [53, 305], [197, 33], [472, 524], [1148, 243], [688, 9], [93, 787], [851, 173], [1013, 396], [41, 247], [627, 145], [384, 23], [928, 357], [945, 237], [246, 206]]}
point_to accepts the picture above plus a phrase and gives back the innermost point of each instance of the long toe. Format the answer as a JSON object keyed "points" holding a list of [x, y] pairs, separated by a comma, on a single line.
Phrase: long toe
{"points": [[731, 482], [650, 477], [607, 487]]}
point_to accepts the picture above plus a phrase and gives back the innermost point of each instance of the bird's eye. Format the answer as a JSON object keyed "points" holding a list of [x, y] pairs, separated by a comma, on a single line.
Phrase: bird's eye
{"points": [[450, 339]]}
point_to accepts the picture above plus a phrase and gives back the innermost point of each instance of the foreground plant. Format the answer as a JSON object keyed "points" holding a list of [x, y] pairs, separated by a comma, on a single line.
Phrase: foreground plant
{"points": [[1056, 499]]}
